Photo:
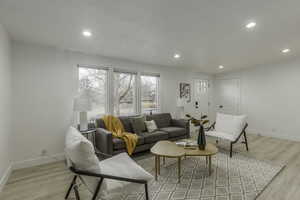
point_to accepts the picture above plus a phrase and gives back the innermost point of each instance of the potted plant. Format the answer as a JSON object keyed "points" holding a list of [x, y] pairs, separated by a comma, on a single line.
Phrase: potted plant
{"points": [[201, 141]]}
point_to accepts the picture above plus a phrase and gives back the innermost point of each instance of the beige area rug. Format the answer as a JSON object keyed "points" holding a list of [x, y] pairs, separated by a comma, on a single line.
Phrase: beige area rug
{"points": [[236, 178]]}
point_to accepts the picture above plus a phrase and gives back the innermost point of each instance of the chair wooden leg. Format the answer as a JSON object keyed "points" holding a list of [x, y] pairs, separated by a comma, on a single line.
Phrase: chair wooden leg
{"points": [[76, 192], [246, 141], [71, 186], [231, 149], [97, 189], [146, 191]]}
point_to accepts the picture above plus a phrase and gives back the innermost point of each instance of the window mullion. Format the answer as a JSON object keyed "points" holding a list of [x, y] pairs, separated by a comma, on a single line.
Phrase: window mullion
{"points": [[158, 109], [138, 94], [110, 91]]}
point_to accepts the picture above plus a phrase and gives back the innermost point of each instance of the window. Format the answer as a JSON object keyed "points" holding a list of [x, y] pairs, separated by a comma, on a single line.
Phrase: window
{"points": [[149, 93], [201, 86], [94, 82], [124, 93], [119, 93]]}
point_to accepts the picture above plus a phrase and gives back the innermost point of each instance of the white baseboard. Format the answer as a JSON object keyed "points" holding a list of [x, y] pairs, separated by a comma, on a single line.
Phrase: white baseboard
{"points": [[5, 177], [38, 161]]}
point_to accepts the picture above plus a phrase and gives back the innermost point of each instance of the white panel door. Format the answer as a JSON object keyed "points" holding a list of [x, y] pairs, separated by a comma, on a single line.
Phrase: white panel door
{"points": [[227, 93], [201, 94]]}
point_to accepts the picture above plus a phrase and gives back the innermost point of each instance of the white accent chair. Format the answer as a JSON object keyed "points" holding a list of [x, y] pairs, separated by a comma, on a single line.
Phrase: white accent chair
{"points": [[229, 127], [104, 179]]}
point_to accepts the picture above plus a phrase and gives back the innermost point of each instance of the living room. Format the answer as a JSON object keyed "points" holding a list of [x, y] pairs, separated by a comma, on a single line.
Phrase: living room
{"points": [[153, 57]]}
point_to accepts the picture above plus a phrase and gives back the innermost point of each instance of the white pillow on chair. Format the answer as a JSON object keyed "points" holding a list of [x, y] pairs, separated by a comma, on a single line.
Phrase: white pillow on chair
{"points": [[80, 152], [231, 124]]}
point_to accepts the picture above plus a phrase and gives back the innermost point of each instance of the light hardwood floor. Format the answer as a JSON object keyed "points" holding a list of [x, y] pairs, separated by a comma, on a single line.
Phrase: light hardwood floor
{"points": [[50, 182]]}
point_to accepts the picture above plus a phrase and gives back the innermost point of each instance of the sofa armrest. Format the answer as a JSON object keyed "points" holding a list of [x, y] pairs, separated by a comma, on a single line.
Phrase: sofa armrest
{"points": [[182, 123], [103, 141]]}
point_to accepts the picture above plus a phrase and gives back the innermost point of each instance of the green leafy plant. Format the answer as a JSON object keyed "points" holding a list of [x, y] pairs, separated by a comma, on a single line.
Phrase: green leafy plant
{"points": [[198, 122]]}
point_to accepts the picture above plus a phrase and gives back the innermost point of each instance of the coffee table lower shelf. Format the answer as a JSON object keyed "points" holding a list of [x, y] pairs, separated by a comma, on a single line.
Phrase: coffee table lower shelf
{"points": [[158, 165]]}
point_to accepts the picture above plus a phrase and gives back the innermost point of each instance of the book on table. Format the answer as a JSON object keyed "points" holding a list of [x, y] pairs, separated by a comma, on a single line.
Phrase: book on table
{"points": [[187, 144]]}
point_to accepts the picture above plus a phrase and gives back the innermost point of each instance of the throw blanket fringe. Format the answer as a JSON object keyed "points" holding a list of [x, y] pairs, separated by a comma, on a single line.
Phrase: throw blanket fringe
{"points": [[114, 125]]}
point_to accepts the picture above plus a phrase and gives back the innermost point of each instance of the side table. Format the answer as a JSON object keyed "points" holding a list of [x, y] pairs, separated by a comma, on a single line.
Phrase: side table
{"points": [[90, 135]]}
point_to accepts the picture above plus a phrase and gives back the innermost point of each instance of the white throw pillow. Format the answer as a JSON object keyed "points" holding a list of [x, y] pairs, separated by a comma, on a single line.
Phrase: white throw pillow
{"points": [[151, 126], [231, 124], [80, 152]]}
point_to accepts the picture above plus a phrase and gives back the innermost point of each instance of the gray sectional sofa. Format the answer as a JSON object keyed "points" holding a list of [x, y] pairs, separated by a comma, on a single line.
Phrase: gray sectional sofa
{"points": [[168, 129]]}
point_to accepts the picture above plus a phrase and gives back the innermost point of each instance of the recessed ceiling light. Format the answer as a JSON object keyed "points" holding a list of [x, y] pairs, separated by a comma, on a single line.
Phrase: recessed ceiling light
{"points": [[285, 50], [177, 56], [221, 67], [86, 33], [251, 25]]}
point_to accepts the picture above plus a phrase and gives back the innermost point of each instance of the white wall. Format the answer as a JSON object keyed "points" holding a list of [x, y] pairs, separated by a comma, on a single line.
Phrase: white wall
{"points": [[44, 85], [270, 97], [5, 106]]}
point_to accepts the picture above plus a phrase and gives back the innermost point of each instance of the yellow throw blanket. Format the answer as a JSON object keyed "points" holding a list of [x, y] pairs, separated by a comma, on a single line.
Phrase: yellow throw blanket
{"points": [[114, 125]]}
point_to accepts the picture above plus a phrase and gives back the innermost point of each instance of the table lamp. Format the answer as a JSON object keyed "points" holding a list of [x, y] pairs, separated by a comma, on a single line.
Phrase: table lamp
{"points": [[82, 104]]}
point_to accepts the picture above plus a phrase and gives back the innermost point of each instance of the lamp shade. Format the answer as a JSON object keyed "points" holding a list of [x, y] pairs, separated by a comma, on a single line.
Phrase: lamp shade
{"points": [[180, 102], [82, 102]]}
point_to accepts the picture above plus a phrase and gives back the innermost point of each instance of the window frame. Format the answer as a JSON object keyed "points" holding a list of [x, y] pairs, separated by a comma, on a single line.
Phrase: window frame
{"points": [[158, 109], [109, 88], [136, 93], [106, 105]]}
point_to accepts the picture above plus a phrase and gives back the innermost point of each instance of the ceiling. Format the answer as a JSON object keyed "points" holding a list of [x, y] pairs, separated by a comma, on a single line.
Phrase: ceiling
{"points": [[207, 33]]}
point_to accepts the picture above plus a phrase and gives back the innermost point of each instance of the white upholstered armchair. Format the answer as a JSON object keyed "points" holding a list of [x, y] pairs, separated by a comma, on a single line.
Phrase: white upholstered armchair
{"points": [[229, 127], [104, 179]]}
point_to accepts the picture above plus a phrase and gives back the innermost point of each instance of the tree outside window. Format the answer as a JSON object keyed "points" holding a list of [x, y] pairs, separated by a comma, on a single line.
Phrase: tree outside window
{"points": [[124, 93], [149, 93], [94, 82]]}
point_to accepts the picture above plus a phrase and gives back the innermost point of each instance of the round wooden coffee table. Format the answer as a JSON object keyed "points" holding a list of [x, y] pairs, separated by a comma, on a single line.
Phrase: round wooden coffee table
{"points": [[168, 149]]}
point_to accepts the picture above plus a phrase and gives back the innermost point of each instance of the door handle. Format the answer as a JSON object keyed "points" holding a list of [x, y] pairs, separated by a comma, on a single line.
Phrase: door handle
{"points": [[220, 106]]}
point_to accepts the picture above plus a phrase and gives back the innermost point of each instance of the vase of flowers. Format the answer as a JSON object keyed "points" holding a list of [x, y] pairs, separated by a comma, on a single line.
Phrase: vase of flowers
{"points": [[201, 141]]}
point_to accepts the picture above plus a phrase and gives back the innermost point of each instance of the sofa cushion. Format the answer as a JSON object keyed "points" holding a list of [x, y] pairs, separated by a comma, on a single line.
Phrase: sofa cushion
{"points": [[120, 144], [174, 131], [138, 124], [155, 136], [162, 120], [100, 123], [126, 121]]}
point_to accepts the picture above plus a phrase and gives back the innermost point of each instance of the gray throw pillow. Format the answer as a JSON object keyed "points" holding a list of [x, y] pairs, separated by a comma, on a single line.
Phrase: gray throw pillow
{"points": [[138, 124]]}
